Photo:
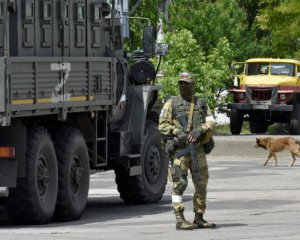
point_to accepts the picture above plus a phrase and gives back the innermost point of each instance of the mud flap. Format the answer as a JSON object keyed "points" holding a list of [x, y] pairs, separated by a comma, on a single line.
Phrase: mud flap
{"points": [[8, 172], [10, 169]]}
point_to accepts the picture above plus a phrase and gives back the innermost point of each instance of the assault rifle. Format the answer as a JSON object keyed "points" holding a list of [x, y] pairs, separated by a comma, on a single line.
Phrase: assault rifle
{"points": [[190, 150]]}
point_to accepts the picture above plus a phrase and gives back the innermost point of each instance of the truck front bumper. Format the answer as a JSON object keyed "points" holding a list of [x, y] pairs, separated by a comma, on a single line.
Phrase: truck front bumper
{"points": [[260, 107]]}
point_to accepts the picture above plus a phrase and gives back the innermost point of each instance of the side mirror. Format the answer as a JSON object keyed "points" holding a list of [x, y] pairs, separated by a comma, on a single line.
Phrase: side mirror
{"points": [[236, 82], [237, 67], [106, 9], [148, 41], [161, 49], [12, 5]]}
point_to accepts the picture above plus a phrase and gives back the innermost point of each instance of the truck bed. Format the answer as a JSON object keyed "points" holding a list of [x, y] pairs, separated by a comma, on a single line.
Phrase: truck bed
{"points": [[48, 85]]}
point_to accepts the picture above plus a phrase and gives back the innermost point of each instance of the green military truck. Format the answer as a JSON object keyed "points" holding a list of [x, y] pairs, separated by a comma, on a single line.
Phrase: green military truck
{"points": [[266, 92], [72, 100]]}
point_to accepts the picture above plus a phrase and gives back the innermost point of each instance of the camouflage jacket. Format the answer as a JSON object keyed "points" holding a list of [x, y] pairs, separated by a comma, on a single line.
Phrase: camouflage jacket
{"points": [[169, 126]]}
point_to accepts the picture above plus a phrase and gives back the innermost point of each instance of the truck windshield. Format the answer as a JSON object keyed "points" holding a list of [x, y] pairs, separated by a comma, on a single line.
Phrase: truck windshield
{"points": [[283, 69]]}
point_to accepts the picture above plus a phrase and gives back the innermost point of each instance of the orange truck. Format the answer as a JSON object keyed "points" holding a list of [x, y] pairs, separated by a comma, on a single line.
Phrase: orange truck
{"points": [[267, 91]]}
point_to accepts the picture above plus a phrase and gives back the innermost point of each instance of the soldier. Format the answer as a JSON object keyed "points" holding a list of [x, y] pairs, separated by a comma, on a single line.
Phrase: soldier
{"points": [[198, 132]]}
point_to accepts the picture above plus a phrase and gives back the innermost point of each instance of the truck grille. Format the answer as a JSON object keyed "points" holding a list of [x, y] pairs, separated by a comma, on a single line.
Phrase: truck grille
{"points": [[261, 94], [255, 95]]}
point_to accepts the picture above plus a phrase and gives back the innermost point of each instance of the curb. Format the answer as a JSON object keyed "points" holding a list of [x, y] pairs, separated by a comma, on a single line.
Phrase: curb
{"points": [[240, 145]]}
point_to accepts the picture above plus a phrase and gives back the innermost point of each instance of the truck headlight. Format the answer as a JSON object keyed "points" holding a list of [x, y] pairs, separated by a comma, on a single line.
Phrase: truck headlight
{"points": [[241, 96], [282, 96]]}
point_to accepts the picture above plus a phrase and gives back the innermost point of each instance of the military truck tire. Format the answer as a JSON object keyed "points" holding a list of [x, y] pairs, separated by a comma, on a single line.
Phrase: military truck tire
{"points": [[73, 174], [34, 198], [148, 187], [258, 126], [236, 122], [294, 127]]}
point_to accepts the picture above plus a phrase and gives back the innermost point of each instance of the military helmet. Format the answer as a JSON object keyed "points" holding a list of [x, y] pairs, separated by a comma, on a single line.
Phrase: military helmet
{"points": [[186, 77]]}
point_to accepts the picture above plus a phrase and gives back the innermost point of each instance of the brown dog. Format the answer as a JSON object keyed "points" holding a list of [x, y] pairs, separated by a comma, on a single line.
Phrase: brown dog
{"points": [[274, 145]]}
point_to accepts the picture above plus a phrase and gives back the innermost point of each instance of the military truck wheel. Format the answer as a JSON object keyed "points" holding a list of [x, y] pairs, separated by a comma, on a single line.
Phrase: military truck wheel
{"points": [[258, 126], [34, 198], [236, 122], [73, 174], [294, 127], [148, 187]]}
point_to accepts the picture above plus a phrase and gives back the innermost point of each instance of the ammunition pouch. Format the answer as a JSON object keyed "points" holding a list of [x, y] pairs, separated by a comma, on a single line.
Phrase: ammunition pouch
{"points": [[208, 147]]}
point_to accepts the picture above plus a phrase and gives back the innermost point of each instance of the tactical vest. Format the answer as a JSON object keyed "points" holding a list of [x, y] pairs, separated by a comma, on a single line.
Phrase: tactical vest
{"points": [[180, 106]]}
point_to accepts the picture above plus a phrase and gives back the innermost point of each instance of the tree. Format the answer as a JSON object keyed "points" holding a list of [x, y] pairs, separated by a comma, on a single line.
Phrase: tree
{"points": [[281, 19], [184, 56], [212, 73], [210, 21], [146, 9], [217, 73], [252, 8]]}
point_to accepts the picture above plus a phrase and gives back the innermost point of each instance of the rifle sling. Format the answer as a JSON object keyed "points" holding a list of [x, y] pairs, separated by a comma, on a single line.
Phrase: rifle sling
{"points": [[190, 121]]}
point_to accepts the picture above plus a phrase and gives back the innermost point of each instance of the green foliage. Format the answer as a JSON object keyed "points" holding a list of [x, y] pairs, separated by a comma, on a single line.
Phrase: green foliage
{"points": [[225, 129], [147, 9], [184, 55], [212, 73], [281, 19], [210, 21], [251, 8], [216, 73]]}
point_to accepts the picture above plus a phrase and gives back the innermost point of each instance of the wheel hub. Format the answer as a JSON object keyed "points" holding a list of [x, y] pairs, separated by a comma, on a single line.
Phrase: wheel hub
{"points": [[152, 162], [76, 174], [42, 176]]}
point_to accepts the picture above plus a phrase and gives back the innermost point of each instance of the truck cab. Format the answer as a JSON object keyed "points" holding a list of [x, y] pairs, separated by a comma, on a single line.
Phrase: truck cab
{"points": [[266, 92]]}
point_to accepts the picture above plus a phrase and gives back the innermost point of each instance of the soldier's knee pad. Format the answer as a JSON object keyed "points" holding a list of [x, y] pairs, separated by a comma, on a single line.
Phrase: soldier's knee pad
{"points": [[181, 185], [180, 180]]}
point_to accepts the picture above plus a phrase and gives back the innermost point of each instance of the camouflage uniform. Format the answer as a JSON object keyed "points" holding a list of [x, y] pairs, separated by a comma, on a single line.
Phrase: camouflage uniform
{"points": [[203, 121]]}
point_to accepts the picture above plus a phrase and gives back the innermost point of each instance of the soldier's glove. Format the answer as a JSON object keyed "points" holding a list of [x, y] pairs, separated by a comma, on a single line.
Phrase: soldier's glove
{"points": [[208, 147], [194, 136], [180, 140]]}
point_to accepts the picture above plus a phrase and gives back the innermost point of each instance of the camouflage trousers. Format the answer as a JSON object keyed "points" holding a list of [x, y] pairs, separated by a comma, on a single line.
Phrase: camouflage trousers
{"points": [[180, 183]]}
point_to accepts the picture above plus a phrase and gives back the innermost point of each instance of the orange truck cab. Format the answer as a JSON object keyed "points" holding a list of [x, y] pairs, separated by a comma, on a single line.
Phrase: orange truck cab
{"points": [[266, 92]]}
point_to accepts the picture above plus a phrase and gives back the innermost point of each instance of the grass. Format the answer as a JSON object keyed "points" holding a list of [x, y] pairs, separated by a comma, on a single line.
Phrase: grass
{"points": [[225, 129]]}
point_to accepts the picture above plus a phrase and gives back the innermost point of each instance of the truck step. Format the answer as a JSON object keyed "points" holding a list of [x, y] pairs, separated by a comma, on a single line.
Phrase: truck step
{"points": [[134, 155], [101, 139]]}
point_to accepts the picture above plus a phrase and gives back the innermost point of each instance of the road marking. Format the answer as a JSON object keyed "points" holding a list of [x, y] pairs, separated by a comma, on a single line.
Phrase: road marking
{"points": [[103, 191], [217, 168], [102, 180]]}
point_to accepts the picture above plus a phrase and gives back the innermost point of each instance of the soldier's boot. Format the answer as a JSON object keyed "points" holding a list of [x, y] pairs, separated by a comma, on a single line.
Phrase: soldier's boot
{"points": [[181, 223], [201, 223]]}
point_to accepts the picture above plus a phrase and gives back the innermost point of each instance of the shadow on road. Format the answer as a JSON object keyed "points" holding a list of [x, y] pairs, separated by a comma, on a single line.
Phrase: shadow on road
{"points": [[111, 208], [100, 209], [227, 225]]}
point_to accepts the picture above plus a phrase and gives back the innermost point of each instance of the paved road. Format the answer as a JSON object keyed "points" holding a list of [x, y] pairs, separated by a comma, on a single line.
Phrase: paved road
{"points": [[245, 199]]}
